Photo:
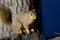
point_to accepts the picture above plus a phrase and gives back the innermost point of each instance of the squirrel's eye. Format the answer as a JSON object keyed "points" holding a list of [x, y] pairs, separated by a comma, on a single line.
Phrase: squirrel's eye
{"points": [[31, 14]]}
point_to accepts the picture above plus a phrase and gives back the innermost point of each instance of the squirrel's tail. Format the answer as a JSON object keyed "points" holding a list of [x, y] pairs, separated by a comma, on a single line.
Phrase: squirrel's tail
{"points": [[6, 15]]}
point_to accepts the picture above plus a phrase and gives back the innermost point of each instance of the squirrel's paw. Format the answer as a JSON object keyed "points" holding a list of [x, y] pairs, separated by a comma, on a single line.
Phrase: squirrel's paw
{"points": [[32, 30], [18, 31]]}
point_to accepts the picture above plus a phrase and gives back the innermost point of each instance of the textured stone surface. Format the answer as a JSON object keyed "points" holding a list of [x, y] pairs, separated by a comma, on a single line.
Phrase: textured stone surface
{"points": [[55, 38]]}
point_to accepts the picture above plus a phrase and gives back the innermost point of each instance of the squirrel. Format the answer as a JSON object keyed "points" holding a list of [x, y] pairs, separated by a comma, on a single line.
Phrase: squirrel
{"points": [[24, 19], [19, 21]]}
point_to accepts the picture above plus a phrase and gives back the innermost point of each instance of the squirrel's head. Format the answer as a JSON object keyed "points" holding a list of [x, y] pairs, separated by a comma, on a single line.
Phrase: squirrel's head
{"points": [[31, 15]]}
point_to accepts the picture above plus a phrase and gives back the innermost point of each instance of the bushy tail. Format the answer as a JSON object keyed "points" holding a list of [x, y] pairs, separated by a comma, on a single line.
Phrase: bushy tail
{"points": [[5, 14]]}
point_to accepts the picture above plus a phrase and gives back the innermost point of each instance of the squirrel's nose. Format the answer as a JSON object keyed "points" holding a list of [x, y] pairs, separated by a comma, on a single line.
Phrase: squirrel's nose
{"points": [[34, 17]]}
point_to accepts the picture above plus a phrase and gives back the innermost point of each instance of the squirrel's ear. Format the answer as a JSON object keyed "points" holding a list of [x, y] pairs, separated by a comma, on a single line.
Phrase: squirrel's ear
{"points": [[28, 12], [33, 10]]}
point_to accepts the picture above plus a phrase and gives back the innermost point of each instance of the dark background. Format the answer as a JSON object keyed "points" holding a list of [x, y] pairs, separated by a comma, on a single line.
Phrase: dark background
{"points": [[48, 17], [36, 4], [50, 10]]}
